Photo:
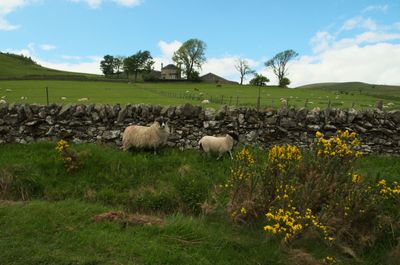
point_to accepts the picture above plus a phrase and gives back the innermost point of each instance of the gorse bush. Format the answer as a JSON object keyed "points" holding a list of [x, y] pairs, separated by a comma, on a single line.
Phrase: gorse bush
{"points": [[72, 160], [315, 192]]}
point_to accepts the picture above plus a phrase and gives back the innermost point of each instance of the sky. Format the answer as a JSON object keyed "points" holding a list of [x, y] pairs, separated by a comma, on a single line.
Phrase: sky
{"points": [[337, 40]]}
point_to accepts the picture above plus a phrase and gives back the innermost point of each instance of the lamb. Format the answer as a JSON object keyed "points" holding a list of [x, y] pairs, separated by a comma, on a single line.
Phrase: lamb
{"points": [[205, 101], [146, 137], [219, 144]]}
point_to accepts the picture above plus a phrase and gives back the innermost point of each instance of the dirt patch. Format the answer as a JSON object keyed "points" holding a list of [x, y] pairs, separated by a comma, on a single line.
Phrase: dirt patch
{"points": [[128, 219]]}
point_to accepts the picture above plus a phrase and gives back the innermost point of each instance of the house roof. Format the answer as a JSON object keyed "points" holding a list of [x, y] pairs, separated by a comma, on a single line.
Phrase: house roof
{"points": [[210, 77], [171, 67]]}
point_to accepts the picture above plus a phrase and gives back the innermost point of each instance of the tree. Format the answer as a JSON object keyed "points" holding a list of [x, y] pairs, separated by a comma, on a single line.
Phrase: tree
{"points": [[140, 62], [118, 64], [107, 65], [244, 69], [190, 55], [279, 63], [259, 80], [284, 82]]}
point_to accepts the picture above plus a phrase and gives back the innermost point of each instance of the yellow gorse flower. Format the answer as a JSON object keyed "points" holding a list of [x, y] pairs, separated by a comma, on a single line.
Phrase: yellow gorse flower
{"points": [[342, 145], [387, 191], [281, 157], [290, 222]]}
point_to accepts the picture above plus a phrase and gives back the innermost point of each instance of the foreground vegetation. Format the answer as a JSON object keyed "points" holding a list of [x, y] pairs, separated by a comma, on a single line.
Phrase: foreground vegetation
{"points": [[33, 91], [46, 216]]}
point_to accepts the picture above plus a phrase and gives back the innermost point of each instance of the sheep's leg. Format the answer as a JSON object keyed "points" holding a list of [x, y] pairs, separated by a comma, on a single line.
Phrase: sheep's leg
{"points": [[230, 153], [220, 155]]}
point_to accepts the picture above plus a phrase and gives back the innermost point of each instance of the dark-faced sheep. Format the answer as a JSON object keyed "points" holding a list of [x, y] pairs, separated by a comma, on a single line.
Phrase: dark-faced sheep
{"points": [[220, 144], [146, 137]]}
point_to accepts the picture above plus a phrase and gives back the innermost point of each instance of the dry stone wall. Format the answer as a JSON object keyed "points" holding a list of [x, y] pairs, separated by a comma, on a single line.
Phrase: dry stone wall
{"points": [[23, 123]]}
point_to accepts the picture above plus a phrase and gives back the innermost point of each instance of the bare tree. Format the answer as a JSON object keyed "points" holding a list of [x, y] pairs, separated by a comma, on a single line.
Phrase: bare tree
{"points": [[279, 64], [244, 69]]}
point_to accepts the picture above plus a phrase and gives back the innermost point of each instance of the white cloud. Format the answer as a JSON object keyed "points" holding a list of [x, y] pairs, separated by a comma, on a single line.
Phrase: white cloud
{"points": [[97, 3], [381, 8], [128, 3], [7, 7], [47, 47], [359, 22], [91, 67], [167, 51], [377, 63]]}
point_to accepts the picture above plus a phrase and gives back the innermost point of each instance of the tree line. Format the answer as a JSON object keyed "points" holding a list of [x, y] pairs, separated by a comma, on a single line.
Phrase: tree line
{"points": [[189, 58]]}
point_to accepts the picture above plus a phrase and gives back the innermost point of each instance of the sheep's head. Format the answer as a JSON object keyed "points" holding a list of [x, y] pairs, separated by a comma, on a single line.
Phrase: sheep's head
{"points": [[234, 135], [162, 122]]}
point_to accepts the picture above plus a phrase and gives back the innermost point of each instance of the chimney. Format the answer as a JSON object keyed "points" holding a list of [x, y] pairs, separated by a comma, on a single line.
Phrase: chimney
{"points": [[162, 66]]}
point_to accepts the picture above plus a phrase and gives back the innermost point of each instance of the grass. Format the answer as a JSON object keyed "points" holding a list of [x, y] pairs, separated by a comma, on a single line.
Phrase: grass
{"points": [[54, 224], [33, 91]]}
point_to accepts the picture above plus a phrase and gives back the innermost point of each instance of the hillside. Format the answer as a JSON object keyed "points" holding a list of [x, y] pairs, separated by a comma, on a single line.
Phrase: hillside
{"points": [[379, 91], [14, 66]]}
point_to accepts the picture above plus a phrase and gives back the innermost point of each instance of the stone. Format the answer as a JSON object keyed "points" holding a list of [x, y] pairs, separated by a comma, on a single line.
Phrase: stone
{"points": [[109, 135]]}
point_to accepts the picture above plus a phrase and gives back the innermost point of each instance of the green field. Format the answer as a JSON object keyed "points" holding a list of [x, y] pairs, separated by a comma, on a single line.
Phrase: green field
{"points": [[46, 214], [340, 96]]}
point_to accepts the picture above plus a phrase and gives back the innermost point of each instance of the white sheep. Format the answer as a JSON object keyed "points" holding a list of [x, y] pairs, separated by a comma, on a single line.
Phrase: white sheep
{"points": [[2, 101], [63, 98], [205, 101], [146, 137], [220, 144], [83, 99]]}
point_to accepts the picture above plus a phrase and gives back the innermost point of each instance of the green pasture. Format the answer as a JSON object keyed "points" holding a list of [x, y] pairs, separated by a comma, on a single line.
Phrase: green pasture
{"points": [[46, 214], [34, 91]]}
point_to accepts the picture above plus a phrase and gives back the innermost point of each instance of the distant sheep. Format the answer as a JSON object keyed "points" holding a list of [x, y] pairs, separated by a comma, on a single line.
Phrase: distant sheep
{"points": [[221, 144], [205, 101], [23, 98], [146, 137], [63, 98], [83, 99], [2, 101], [8, 90]]}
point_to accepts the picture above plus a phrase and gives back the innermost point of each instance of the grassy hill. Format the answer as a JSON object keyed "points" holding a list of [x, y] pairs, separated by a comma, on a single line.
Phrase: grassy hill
{"points": [[14, 66], [358, 88]]}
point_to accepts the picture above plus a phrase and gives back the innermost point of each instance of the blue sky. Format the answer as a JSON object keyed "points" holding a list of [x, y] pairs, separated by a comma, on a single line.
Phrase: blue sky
{"points": [[337, 40]]}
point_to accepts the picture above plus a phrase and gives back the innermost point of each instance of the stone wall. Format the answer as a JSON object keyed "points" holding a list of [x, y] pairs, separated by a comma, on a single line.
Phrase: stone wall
{"points": [[22, 123]]}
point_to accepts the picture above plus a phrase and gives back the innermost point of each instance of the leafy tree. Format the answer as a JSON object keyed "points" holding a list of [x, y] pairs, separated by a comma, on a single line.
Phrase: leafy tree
{"points": [[118, 64], [141, 62], [259, 80], [284, 82], [279, 63], [190, 55], [107, 65], [244, 69]]}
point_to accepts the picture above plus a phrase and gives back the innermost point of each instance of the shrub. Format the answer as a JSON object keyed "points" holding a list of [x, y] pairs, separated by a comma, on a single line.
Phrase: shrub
{"points": [[72, 160], [296, 191]]}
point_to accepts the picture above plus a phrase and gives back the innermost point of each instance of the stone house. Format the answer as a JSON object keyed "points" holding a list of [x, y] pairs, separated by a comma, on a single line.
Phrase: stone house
{"points": [[170, 72]]}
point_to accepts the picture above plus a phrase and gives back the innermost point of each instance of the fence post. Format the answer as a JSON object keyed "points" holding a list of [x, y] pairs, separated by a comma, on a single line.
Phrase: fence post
{"points": [[237, 100], [230, 101], [47, 95], [305, 103], [258, 99], [222, 99]]}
